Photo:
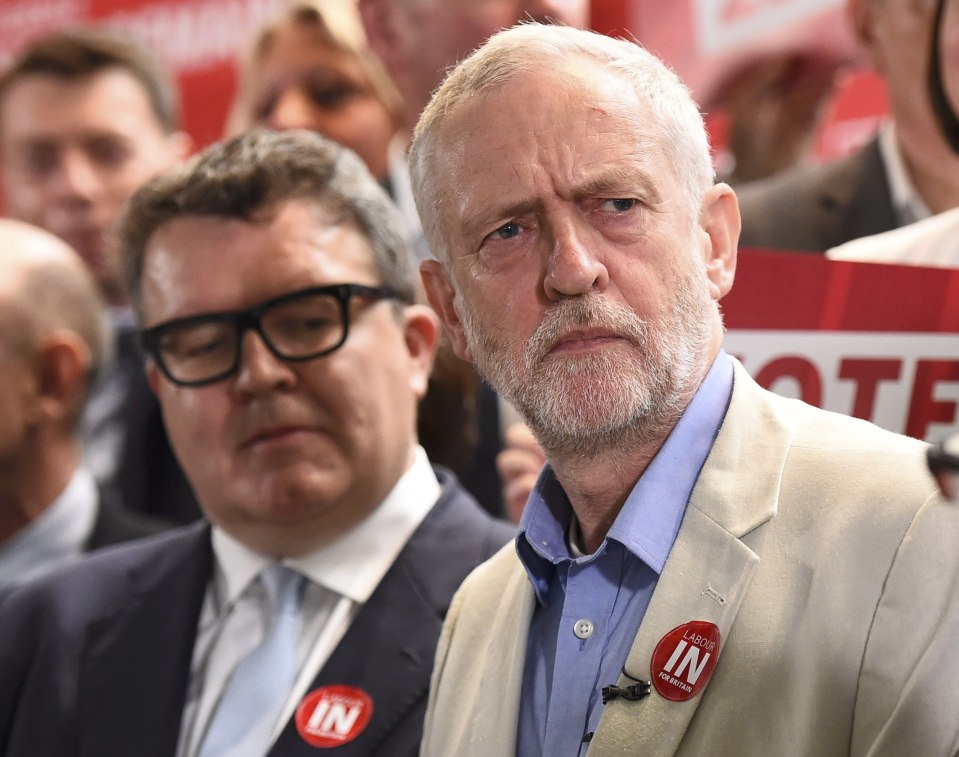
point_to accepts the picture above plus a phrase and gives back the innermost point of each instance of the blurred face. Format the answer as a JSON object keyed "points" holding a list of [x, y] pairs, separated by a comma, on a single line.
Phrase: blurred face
{"points": [[898, 37], [302, 83], [430, 36], [73, 152], [576, 280], [287, 455]]}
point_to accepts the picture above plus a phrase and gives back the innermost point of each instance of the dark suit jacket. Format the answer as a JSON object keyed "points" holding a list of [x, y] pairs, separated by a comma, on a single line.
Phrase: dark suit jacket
{"points": [[115, 525], [818, 207], [95, 661], [148, 478]]}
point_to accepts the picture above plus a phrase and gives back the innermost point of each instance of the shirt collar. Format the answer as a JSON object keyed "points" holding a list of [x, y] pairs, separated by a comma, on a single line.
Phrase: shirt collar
{"points": [[650, 518], [353, 565], [59, 534], [907, 204]]}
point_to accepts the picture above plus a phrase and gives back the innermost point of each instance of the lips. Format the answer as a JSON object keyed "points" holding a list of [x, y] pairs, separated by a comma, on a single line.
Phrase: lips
{"points": [[272, 434], [584, 339]]}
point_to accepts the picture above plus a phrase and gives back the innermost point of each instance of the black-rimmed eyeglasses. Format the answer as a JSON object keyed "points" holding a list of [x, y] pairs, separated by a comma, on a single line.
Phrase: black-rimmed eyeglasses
{"points": [[300, 325]]}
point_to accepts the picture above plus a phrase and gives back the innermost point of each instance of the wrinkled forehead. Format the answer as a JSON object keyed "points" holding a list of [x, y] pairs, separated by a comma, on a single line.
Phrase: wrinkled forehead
{"points": [[573, 122]]}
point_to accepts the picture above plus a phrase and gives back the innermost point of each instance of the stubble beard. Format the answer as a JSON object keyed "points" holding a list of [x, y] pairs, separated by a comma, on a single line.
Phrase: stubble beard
{"points": [[585, 404]]}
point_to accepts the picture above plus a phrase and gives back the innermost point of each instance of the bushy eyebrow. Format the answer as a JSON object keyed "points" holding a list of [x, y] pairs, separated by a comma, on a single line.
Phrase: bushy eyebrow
{"points": [[621, 181], [628, 180]]}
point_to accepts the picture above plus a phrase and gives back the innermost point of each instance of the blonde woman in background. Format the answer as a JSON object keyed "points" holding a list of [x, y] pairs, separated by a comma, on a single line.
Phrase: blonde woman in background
{"points": [[311, 68]]}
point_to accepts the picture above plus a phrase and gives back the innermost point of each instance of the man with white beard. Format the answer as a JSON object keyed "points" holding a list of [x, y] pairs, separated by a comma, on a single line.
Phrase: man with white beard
{"points": [[703, 567]]}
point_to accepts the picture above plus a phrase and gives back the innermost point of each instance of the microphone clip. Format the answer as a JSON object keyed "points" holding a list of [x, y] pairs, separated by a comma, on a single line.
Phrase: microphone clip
{"points": [[632, 693]]}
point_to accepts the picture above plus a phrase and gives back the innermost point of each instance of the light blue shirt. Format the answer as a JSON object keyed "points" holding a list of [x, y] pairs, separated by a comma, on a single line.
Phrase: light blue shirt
{"points": [[589, 607]]}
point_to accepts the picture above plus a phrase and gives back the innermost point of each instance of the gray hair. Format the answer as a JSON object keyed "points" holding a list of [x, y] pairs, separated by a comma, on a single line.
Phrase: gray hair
{"points": [[249, 176], [677, 120]]}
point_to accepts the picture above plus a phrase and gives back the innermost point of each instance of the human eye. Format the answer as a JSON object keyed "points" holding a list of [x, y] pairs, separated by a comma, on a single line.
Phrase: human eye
{"points": [[618, 205], [196, 343], [509, 230], [40, 160], [304, 324], [330, 95], [108, 151]]}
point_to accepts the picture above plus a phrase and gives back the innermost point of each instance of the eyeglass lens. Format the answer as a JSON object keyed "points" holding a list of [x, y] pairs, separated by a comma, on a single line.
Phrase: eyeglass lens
{"points": [[296, 328]]}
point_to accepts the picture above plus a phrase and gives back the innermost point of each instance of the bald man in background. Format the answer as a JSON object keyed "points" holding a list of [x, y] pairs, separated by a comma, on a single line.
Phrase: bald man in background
{"points": [[54, 340]]}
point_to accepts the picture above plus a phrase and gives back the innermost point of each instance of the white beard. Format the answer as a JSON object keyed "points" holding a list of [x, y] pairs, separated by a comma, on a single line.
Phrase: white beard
{"points": [[584, 403]]}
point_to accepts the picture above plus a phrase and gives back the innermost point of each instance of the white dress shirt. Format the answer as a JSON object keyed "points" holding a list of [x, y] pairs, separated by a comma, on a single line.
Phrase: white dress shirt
{"points": [[908, 206], [933, 242], [57, 537], [342, 576]]}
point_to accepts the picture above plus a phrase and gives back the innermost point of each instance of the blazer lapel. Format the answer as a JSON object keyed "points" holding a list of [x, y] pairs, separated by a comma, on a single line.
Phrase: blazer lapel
{"points": [[136, 658], [709, 569], [387, 653], [705, 578]]}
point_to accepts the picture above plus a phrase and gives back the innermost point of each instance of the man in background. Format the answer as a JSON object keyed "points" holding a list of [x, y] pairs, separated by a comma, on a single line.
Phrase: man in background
{"points": [[54, 340], [277, 293], [85, 119], [907, 173]]}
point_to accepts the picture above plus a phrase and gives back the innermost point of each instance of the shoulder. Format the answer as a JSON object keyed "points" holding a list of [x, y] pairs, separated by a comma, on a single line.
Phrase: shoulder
{"points": [[932, 241], [459, 515], [103, 578], [816, 207], [115, 524], [455, 537]]}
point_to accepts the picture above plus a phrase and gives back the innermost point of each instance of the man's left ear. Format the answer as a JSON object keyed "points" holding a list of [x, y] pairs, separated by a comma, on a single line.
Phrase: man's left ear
{"points": [[421, 330], [720, 223], [63, 371]]}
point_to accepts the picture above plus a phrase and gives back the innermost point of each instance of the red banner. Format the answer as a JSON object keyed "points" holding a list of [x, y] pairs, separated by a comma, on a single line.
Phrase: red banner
{"points": [[875, 341]]}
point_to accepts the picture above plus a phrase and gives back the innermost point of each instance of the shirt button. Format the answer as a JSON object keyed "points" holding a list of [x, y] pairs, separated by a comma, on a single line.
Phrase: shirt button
{"points": [[583, 628]]}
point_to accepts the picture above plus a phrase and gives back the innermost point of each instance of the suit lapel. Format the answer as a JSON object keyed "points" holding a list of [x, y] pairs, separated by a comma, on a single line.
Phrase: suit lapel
{"points": [[709, 569], [705, 578], [389, 647], [858, 198], [391, 640], [136, 659]]}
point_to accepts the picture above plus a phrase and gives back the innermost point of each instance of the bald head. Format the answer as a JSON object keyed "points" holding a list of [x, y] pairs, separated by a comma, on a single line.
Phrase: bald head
{"points": [[45, 288]]}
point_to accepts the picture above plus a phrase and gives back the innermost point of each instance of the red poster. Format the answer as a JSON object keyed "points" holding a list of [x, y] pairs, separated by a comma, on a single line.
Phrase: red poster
{"points": [[879, 342]]}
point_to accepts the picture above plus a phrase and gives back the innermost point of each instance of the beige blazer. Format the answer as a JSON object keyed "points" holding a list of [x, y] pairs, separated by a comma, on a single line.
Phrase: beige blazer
{"points": [[816, 543]]}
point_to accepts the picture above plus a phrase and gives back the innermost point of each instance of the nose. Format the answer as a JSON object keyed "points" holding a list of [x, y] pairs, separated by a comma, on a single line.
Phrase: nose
{"points": [[573, 268], [569, 12], [77, 178], [293, 109], [260, 371]]}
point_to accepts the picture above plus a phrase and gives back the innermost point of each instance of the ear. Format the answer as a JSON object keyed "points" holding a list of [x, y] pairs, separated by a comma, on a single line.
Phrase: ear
{"points": [[421, 332], [862, 19], [442, 296], [63, 369], [153, 376], [720, 223], [380, 28], [180, 145]]}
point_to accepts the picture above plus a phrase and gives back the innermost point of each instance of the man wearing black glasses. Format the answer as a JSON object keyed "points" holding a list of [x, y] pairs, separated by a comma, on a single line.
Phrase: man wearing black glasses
{"points": [[288, 352]]}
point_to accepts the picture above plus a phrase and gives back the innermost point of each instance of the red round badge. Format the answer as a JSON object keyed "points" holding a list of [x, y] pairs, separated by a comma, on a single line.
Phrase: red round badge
{"points": [[684, 660], [333, 715]]}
